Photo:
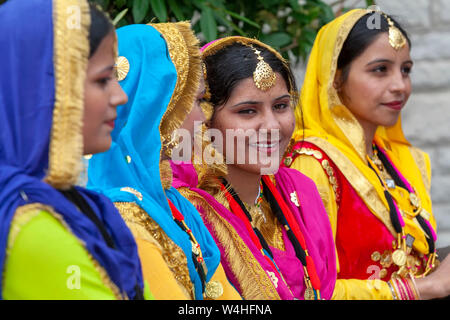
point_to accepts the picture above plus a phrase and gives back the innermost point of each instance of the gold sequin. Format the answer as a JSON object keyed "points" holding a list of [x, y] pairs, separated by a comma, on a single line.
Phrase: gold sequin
{"points": [[213, 290], [294, 198], [122, 67], [375, 256], [383, 273]]}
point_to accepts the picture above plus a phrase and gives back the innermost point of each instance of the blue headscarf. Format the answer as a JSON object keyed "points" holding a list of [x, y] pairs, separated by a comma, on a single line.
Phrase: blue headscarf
{"points": [[40, 135], [153, 87]]}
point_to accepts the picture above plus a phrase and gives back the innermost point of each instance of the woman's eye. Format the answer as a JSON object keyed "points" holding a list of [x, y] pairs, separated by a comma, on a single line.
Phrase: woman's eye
{"points": [[379, 69], [280, 106], [406, 70], [246, 111], [104, 81]]}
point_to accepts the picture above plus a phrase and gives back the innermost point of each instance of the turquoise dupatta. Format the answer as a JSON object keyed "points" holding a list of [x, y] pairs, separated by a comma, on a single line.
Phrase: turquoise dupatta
{"points": [[134, 158]]}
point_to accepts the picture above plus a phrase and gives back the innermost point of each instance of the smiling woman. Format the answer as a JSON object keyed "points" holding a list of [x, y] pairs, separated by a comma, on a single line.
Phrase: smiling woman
{"points": [[374, 184], [271, 228]]}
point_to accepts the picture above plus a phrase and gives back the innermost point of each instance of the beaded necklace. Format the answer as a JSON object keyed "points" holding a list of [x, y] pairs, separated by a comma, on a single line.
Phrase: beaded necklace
{"points": [[287, 220], [197, 256]]}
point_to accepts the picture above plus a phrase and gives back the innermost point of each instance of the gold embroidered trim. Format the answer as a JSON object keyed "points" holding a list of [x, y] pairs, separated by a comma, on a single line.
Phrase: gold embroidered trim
{"points": [[359, 182], [144, 227], [31, 210], [71, 53], [342, 116], [166, 174], [419, 158], [325, 165], [185, 55], [254, 282]]}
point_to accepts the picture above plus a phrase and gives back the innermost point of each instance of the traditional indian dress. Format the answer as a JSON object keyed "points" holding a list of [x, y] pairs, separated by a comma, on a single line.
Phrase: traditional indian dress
{"points": [[280, 249], [380, 208], [57, 241], [159, 67]]}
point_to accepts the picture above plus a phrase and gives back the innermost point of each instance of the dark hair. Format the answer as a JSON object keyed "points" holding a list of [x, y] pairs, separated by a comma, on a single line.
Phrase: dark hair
{"points": [[100, 27], [359, 38], [236, 62]]}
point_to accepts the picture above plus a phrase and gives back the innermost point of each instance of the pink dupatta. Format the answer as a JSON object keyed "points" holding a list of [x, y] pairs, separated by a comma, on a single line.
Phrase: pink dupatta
{"points": [[263, 282]]}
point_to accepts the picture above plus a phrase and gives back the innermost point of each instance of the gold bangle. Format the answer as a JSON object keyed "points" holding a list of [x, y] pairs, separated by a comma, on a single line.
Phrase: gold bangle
{"points": [[414, 286], [394, 295]]}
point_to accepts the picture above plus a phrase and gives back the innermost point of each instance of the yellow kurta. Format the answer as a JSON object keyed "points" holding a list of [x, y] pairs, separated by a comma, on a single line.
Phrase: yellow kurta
{"points": [[164, 264]]}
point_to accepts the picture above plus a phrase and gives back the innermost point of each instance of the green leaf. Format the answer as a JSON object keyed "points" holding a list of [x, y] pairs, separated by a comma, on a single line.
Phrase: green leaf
{"points": [[294, 4], [208, 24], [120, 16], [120, 3], [276, 39], [242, 18], [159, 8], [173, 5], [140, 8], [268, 3], [103, 3]]}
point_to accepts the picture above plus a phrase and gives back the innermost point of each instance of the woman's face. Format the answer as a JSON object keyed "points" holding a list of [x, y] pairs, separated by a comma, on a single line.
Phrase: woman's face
{"points": [[378, 83], [102, 95], [196, 113], [256, 126]]}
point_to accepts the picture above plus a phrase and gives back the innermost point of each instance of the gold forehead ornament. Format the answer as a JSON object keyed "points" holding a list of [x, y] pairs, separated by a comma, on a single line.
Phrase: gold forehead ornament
{"points": [[263, 76], [396, 38]]}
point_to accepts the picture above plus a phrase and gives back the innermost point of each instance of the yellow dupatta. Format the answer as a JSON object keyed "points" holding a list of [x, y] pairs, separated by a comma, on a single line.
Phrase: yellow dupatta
{"points": [[328, 124]]}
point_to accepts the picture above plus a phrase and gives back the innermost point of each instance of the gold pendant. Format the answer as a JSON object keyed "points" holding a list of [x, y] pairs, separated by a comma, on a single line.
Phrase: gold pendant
{"points": [[399, 257], [213, 290], [309, 294], [402, 272], [425, 214], [414, 200]]}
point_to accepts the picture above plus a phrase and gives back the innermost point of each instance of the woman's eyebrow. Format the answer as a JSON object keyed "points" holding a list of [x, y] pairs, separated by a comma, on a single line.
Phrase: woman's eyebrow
{"points": [[245, 102], [379, 61], [282, 97]]}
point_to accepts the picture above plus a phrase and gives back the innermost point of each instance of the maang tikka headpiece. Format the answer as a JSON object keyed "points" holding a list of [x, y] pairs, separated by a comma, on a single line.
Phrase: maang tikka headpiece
{"points": [[263, 76], [397, 39]]}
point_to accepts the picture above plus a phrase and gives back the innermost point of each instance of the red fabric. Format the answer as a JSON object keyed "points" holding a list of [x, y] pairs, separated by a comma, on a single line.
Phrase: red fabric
{"points": [[359, 233]]}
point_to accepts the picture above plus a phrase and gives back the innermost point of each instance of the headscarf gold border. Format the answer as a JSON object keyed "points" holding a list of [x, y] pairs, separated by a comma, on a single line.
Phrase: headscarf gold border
{"points": [[185, 55], [71, 54]]}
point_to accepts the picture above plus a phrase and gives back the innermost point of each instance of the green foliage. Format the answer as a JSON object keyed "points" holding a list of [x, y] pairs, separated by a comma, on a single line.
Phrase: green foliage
{"points": [[290, 26]]}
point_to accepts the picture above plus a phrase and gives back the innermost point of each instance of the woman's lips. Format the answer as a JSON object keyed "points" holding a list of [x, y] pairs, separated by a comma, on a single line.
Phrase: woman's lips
{"points": [[266, 147], [110, 123], [396, 105]]}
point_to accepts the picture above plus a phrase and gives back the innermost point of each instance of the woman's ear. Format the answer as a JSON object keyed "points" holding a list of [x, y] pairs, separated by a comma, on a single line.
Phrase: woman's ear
{"points": [[337, 83]]}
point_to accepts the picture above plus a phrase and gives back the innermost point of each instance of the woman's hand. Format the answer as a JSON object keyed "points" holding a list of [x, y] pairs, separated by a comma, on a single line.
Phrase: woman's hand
{"points": [[437, 284]]}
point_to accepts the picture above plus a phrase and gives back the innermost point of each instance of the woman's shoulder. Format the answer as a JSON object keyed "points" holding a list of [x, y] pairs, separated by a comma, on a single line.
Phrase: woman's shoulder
{"points": [[297, 176], [45, 260]]}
